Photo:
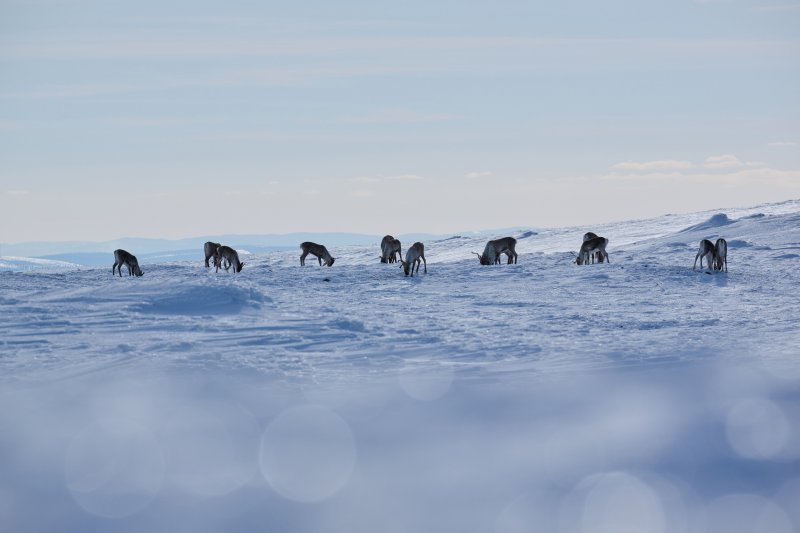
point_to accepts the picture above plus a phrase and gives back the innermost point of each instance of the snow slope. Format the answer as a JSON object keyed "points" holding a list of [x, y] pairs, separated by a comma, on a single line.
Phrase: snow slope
{"points": [[631, 396]]}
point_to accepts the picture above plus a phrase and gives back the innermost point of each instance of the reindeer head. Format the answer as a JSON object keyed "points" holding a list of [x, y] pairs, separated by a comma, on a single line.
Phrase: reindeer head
{"points": [[483, 259], [239, 268], [330, 262], [405, 266], [138, 271]]}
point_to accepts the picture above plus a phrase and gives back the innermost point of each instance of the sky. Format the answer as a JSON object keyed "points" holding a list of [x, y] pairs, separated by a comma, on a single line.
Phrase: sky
{"points": [[181, 119]]}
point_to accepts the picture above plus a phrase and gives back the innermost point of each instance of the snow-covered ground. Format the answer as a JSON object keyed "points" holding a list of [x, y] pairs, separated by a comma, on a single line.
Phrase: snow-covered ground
{"points": [[636, 396]]}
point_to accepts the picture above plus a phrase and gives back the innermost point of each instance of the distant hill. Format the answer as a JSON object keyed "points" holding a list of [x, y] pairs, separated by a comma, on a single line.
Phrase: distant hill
{"points": [[94, 253]]}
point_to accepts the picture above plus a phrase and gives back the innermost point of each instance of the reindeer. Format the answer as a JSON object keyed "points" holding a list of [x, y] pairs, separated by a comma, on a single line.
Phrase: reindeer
{"points": [[390, 250], [229, 256], [708, 251], [211, 249], [121, 257], [494, 249], [721, 254], [587, 237], [590, 247], [317, 250], [414, 255]]}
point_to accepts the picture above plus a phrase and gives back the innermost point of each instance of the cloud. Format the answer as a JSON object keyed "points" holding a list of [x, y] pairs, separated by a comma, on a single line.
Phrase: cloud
{"points": [[782, 143], [17, 192], [364, 179], [477, 174], [674, 167], [726, 168], [662, 164], [789, 178], [362, 193], [270, 188], [729, 161]]}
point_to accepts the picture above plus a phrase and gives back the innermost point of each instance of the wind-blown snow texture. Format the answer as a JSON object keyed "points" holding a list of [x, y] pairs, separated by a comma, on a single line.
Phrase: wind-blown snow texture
{"points": [[632, 396]]}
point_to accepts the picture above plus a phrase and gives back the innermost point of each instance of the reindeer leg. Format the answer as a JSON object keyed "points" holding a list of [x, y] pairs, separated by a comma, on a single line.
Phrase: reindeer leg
{"points": [[426, 264]]}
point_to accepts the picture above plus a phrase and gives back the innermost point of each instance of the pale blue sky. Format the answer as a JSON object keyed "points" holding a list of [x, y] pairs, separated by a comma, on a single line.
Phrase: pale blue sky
{"points": [[149, 120]]}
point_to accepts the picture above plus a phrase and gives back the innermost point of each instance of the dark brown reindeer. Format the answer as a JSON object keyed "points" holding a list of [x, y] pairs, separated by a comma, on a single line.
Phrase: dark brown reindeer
{"points": [[494, 249], [708, 251], [230, 257], [721, 254], [121, 257], [414, 256], [595, 245], [211, 249], [317, 250], [390, 250], [588, 236]]}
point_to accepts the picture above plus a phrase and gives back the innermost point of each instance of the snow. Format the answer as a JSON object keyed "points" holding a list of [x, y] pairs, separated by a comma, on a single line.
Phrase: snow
{"points": [[542, 396]]}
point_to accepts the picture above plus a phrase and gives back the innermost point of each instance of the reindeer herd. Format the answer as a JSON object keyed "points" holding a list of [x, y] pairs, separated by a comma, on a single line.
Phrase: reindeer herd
{"points": [[593, 248]]}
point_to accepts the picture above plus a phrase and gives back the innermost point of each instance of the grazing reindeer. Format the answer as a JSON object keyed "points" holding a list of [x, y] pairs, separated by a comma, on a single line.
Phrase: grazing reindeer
{"points": [[211, 249], [121, 257], [587, 237], [590, 247], [721, 254], [229, 256], [414, 255], [390, 250], [494, 249], [317, 250], [706, 250]]}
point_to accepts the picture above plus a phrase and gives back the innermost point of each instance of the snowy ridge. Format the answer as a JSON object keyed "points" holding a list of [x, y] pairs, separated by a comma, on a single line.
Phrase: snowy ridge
{"points": [[631, 396]]}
